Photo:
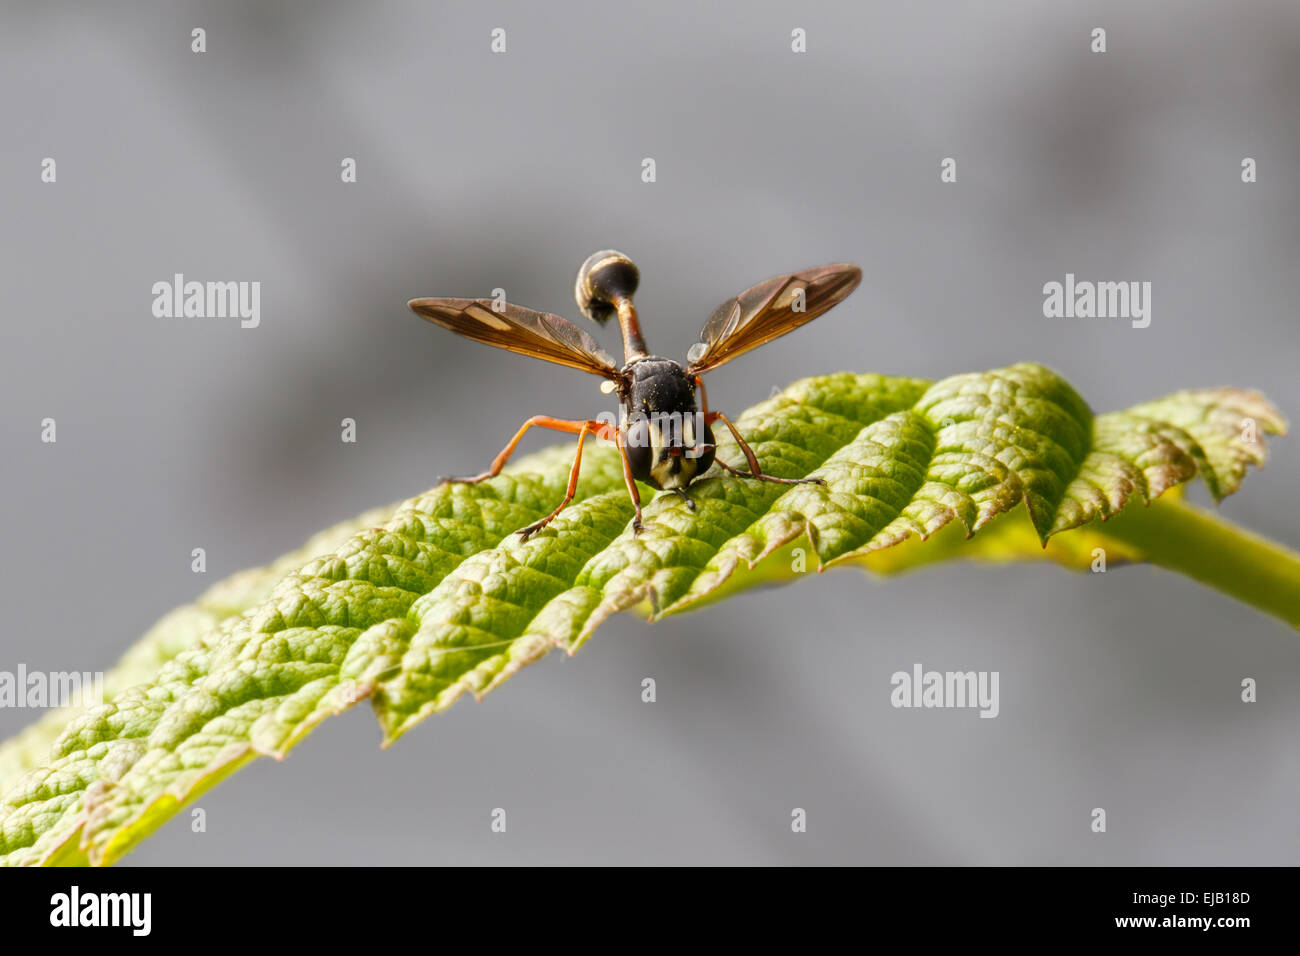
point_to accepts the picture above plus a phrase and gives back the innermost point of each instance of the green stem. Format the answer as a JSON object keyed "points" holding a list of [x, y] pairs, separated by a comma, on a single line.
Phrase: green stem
{"points": [[1181, 537]]}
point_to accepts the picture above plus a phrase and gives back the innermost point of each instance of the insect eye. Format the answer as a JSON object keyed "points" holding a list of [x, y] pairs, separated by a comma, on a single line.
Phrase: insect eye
{"points": [[638, 433], [706, 460], [639, 453]]}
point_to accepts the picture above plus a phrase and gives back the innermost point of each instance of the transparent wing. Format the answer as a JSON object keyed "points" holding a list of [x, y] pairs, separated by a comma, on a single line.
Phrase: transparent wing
{"points": [[768, 311], [520, 330]]}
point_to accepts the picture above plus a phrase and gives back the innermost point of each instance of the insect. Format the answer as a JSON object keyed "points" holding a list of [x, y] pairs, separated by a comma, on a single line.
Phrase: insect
{"points": [[664, 433]]}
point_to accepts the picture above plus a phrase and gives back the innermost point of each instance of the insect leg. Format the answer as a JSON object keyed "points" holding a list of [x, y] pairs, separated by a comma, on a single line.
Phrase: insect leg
{"points": [[621, 438], [700, 446], [587, 428], [754, 470], [542, 421], [582, 430]]}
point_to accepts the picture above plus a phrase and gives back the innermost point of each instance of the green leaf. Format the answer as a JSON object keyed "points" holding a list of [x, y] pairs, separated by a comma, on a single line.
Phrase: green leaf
{"points": [[414, 605], [177, 630]]}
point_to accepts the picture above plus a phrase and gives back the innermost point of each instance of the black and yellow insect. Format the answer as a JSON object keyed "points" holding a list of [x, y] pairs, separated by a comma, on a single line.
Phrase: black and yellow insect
{"points": [[664, 433]]}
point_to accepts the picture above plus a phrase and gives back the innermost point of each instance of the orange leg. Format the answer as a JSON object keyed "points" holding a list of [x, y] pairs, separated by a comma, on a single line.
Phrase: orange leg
{"points": [[700, 446], [621, 438], [542, 421], [526, 533], [582, 430], [751, 458]]}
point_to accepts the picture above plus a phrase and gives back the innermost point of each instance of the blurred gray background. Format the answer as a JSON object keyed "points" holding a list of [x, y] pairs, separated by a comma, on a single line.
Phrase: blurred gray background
{"points": [[478, 170]]}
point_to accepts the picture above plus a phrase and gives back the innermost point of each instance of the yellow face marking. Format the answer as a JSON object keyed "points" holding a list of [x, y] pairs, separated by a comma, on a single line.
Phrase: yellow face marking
{"points": [[662, 472], [663, 465]]}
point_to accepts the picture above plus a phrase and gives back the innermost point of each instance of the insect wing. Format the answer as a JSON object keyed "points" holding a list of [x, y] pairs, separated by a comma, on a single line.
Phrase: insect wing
{"points": [[519, 330], [769, 310]]}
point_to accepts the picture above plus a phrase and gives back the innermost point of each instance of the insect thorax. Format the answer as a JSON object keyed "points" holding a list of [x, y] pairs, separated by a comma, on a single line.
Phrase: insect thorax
{"points": [[659, 385]]}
